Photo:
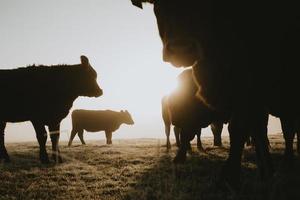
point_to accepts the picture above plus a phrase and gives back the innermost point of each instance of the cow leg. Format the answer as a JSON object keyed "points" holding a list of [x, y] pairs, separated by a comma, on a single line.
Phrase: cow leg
{"points": [[108, 135], [185, 137], [177, 135], [3, 151], [73, 134], [260, 138], [232, 169], [80, 135], [288, 129], [54, 135], [216, 129], [167, 131], [188, 145], [41, 135], [199, 143]]}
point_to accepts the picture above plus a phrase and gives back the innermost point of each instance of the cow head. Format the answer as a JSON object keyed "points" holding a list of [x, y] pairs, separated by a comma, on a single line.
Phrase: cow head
{"points": [[177, 22], [87, 84], [127, 119]]}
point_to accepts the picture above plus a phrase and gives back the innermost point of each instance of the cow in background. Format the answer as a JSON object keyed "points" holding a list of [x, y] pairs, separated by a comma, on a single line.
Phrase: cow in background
{"points": [[182, 109], [98, 120], [44, 96], [216, 127]]}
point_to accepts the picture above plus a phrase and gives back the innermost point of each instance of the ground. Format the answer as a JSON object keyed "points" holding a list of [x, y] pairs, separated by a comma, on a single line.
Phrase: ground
{"points": [[139, 169]]}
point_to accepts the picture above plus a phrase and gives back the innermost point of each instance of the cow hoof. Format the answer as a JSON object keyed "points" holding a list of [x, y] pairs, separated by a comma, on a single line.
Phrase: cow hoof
{"points": [[168, 146], [4, 156], [7, 160], [218, 142], [44, 160], [179, 159]]}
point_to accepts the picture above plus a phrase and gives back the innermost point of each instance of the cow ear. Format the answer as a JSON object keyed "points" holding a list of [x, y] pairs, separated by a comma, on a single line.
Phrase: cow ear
{"points": [[137, 3], [121, 111], [126, 111], [84, 61]]}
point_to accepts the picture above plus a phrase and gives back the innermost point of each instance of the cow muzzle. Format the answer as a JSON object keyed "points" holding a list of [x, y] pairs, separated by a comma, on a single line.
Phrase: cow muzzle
{"points": [[99, 92]]}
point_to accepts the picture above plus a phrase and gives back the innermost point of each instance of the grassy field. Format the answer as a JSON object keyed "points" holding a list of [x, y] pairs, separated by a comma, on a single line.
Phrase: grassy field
{"points": [[138, 169]]}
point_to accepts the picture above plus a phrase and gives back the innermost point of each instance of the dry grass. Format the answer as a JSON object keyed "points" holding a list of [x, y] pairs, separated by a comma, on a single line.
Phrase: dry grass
{"points": [[137, 169]]}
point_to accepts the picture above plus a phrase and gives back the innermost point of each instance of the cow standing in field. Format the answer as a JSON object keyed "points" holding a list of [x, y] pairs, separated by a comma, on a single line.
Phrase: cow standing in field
{"points": [[44, 96], [244, 63], [98, 120], [182, 109], [216, 127]]}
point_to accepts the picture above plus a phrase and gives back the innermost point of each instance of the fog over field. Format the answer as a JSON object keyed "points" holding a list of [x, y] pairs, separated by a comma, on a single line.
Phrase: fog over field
{"points": [[122, 43]]}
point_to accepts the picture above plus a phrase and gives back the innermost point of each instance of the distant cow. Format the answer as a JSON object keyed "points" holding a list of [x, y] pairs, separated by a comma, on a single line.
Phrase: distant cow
{"points": [[98, 120], [216, 127], [44, 96]]}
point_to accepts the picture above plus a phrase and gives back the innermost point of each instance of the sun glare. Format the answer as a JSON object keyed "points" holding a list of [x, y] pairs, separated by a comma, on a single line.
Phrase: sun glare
{"points": [[124, 49]]}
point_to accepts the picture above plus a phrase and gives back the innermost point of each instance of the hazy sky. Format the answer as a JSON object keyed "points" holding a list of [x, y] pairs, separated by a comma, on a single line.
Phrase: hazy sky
{"points": [[122, 44]]}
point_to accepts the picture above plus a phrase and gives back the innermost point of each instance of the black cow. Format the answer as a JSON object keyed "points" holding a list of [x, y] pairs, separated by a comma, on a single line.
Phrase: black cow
{"points": [[98, 120], [245, 61], [182, 109], [175, 110], [216, 127], [44, 96]]}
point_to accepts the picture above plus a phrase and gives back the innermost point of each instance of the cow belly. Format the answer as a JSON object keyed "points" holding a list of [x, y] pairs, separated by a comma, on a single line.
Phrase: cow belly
{"points": [[23, 112], [93, 126]]}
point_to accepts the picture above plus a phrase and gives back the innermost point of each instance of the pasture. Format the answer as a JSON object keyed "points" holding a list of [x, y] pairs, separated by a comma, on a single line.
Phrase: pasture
{"points": [[139, 169]]}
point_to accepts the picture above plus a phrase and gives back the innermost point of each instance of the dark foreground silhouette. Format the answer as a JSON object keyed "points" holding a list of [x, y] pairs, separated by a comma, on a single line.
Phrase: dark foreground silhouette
{"points": [[182, 109], [244, 63], [98, 120], [44, 96]]}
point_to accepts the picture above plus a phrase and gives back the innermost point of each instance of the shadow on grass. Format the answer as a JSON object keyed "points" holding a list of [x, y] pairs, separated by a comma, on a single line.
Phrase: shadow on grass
{"points": [[197, 179], [24, 160], [130, 170]]}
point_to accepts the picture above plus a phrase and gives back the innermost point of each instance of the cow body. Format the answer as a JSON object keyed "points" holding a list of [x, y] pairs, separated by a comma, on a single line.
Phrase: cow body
{"points": [[244, 63], [44, 96], [216, 127], [98, 120], [182, 109]]}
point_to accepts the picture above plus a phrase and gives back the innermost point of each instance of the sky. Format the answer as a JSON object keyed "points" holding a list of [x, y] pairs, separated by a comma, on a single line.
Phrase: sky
{"points": [[122, 44]]}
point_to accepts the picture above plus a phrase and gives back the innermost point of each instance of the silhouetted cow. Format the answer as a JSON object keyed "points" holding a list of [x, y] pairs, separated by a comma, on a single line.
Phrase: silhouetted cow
{"points": [[216, 127], [44, 96], [98, 120], [182, 109], [245, 57]]}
